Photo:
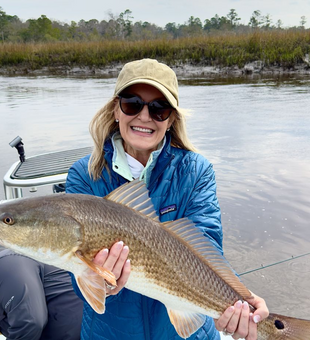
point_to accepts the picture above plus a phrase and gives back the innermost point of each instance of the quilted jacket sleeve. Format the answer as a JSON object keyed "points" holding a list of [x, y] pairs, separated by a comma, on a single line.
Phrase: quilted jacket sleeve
{"points": [[203, 206], [78, 178]]}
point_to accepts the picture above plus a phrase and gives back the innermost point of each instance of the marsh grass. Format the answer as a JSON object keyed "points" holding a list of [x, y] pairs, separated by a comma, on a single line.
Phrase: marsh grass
{"points": [[284, 48]]}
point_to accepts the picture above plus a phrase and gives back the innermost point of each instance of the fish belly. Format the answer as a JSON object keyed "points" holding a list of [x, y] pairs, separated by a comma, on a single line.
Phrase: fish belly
{"points": [[63, 261], [140, 283]]}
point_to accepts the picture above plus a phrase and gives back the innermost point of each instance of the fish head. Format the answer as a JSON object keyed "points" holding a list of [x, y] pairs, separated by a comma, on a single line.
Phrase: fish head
{"points": [[38, 225], [279, 327]]}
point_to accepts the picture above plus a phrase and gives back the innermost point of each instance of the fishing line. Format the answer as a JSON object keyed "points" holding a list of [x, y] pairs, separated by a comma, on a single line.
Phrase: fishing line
{"points": [[273, 264]]}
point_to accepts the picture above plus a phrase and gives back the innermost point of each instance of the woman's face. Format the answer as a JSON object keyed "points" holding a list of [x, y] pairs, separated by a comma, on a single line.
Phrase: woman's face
{"points": [[141, 133]]}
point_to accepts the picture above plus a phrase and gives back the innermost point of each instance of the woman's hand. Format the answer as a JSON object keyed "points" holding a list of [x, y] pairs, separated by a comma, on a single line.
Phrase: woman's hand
{"points": [[116, 261], [238, 321]]}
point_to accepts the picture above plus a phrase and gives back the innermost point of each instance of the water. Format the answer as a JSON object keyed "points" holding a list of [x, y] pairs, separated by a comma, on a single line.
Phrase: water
{"points": [[256, 132]]}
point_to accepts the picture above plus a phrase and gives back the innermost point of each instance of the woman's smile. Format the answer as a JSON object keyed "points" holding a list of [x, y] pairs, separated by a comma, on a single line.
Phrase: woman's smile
{"points": [[143, 130]]}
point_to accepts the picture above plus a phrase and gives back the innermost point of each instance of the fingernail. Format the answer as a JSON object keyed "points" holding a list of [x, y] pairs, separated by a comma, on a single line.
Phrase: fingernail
{"points": [[105, 251], [231, 308], [245, 305], [256, 318], [126, 248], [238, 304], [119, 244]]}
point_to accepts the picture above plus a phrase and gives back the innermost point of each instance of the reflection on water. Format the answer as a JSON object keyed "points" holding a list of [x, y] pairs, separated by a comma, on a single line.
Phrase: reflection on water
{"points": [[255, 131]]}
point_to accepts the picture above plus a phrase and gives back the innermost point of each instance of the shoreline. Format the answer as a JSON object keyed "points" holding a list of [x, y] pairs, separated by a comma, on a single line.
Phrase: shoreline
{"points": [[181, 70]]}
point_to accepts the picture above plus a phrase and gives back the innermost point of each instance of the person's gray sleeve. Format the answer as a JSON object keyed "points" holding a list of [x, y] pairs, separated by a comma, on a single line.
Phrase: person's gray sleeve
{"points": [[22, 298]]}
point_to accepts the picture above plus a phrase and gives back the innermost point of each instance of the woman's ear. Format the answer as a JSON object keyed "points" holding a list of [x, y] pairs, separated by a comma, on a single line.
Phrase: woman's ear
{"points": [[116, 109], [170, 121]]}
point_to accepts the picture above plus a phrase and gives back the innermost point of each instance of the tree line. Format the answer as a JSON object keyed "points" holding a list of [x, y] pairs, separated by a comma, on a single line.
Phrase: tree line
{"points": [[122, 27]]}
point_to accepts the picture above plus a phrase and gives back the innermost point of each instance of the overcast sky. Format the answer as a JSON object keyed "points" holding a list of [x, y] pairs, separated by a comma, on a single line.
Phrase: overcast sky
{"points": [[158, 12]]}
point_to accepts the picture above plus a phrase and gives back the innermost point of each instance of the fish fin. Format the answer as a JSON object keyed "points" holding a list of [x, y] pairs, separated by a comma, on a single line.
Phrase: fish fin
{"points": [[208, 253], [135, 196], [93, 288], [186, 323], [108, 276]]}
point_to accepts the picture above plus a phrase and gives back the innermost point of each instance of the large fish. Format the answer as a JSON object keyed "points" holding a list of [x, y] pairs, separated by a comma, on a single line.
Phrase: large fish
{"points": [[172, 262]]}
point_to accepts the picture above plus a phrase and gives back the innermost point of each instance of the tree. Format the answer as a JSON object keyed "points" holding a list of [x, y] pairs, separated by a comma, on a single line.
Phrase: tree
{"points": [[125, 23], [145, 30], [172, 28], [72, 30], [213, 23], [5, 22], [279, 24], [255, 20], [233, 17], [90, 29], [194, 26], [217, 23], [92, 24], [267, 21], [194, 22], [303, 21], [40, 30]]}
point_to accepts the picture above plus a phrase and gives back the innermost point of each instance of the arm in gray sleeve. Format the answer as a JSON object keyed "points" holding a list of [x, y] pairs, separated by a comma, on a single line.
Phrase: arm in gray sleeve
{"points": [[22, 299]]}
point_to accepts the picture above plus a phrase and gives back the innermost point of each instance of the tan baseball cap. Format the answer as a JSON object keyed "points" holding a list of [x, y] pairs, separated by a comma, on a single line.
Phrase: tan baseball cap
{"points": [[149, 71]]}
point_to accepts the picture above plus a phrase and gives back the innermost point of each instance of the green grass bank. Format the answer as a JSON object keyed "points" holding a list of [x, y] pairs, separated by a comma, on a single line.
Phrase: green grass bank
{"points": [[282, 48]]}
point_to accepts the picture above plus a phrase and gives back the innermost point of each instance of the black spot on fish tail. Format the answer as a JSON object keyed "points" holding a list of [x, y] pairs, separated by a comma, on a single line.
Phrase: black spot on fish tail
{"points": [[279, 324]]}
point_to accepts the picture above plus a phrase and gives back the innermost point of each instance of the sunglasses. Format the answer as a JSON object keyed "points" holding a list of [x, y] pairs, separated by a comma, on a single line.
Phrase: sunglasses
{"points": [[131, 105]]}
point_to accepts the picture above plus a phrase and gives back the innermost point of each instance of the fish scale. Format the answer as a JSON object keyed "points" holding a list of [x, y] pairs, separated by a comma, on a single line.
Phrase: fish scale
{"points": [[172, 262]]}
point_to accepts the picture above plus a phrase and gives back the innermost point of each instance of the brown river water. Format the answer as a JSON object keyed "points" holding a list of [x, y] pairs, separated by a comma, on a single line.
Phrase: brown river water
{"points": [[255, 131]]}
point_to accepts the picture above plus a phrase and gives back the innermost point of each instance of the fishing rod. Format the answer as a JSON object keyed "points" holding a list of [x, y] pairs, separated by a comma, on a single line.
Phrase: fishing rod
{"points": [[273, 264]]}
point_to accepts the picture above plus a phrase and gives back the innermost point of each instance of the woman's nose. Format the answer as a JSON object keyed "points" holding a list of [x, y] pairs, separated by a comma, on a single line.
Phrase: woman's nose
{"points": [[144, 114]]}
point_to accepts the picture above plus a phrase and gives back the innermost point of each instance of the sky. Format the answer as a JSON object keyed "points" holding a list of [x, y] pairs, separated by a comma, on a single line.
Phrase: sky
{"points": [[159, 12]]}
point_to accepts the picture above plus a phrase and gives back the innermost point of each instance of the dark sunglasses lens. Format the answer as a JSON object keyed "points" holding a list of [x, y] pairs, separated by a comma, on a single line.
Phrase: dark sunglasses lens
{"points": [[160, 110], [131, 105]]}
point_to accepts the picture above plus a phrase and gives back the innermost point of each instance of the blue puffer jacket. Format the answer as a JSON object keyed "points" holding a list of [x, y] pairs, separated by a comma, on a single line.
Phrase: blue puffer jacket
{"points": [[181, 184]]}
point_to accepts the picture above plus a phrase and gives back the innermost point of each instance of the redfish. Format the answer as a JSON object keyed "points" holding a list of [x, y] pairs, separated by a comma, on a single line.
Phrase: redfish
{"points": [[172, 262]]}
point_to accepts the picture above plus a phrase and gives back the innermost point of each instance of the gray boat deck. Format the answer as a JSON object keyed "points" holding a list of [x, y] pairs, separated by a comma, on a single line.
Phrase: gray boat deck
{"points": [[48, 164], [46, 169]]}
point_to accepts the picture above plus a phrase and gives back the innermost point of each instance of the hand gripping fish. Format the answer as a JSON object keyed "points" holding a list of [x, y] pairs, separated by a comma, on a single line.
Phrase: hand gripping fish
{"points": [[172, 262]]}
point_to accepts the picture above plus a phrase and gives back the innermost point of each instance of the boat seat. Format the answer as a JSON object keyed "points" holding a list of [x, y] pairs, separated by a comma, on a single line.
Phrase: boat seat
{"points": [[46, 169]]}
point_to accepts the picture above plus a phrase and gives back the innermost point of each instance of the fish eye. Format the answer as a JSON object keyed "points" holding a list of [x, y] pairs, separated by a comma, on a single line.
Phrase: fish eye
{"points": [[279, 324], [8, 220]]}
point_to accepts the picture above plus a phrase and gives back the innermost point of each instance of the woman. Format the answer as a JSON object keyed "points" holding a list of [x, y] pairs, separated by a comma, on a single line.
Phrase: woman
{"points": [[141, 133]]}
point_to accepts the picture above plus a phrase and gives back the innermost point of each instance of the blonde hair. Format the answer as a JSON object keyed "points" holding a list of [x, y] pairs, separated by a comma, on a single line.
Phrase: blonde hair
{"points": [[103, 125]]}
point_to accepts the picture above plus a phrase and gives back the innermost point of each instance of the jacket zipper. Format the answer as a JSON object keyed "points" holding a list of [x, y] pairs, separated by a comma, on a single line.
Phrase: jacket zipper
{"points": [[146, 320]]}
